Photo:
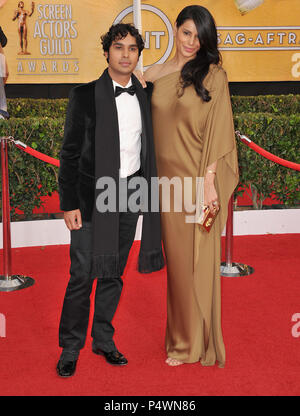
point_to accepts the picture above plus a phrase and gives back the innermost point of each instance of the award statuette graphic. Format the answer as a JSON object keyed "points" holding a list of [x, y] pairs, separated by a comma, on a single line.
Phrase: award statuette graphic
{"points": [[21, 15]]}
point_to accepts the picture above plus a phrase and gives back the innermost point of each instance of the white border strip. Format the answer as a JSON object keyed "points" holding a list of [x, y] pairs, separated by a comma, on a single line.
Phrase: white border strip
{"points": [[54, 232]]}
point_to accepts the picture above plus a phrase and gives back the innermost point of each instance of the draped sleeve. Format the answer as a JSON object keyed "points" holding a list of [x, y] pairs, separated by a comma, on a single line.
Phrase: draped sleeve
{"points": [[219, 142]]}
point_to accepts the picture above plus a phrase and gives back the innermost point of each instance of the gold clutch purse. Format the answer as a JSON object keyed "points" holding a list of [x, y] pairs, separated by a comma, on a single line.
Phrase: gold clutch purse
{"points": [[208, 218], [204, 217]]}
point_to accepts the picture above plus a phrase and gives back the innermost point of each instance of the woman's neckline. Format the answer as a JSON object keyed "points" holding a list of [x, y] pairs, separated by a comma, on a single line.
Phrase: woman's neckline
{"points": [[167, 75]]}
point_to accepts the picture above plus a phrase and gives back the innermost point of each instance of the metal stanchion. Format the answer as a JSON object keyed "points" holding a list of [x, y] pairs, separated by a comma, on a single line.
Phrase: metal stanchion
{"points": [[8, 282], [229, 268]]}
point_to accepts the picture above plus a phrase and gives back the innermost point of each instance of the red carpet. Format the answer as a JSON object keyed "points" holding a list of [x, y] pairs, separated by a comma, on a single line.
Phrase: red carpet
{"points": [[263, 357]]}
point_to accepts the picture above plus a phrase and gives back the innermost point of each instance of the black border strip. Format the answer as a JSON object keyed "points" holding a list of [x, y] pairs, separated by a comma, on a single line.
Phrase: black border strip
{"points": [[236, 88]]}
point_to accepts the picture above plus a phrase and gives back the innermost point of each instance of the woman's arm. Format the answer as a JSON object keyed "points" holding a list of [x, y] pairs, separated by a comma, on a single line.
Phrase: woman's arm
{"points": [[149, 75], [210, 193]]}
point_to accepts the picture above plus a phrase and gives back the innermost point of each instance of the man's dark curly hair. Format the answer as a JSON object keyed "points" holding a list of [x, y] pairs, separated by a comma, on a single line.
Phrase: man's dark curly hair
{"points": [[120, 31]]}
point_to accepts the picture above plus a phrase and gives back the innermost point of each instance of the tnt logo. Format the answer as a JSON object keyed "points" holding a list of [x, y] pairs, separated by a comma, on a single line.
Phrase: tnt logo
{"points": [[158, 38], [296, 327], [2, 326]]}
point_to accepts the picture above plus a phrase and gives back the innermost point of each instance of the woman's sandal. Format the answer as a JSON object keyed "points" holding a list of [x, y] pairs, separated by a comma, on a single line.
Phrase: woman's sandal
{"points": [[173, 362]]}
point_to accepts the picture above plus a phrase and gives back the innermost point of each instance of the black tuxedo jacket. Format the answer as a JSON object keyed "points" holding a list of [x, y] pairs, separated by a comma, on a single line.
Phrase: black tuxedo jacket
{"points": [[77, 157]]}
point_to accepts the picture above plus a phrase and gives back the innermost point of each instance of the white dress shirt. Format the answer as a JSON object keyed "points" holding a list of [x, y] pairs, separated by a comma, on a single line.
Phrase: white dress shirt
{"points": [[130, 130]]}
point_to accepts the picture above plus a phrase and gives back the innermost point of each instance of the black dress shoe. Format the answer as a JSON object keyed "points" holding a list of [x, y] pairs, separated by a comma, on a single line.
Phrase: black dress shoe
{"points": [[66, 368], [112, 357]]}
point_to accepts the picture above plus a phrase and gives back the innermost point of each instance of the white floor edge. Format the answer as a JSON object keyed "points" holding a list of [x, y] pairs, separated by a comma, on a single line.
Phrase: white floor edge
{"points": [[54, 232]]}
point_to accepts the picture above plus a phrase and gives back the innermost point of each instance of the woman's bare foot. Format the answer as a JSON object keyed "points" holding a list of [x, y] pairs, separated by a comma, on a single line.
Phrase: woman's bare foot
{"points": [[173, 362]]}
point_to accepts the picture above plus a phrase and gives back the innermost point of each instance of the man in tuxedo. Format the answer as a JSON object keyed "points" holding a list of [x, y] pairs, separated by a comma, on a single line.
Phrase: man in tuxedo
{"points": [[108, 133]]}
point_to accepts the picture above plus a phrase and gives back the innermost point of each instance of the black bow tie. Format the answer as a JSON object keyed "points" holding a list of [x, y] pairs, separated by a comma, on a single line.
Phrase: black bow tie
{"points": [[120, 90]]}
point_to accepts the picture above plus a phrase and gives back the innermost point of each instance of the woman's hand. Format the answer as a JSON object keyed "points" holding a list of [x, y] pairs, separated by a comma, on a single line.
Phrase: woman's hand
{"points": [[210, 195], [140, 77]]}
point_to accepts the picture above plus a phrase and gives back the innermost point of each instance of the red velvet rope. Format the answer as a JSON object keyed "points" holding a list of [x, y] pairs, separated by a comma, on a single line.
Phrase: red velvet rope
{"points": [[268, 155], [245, 139], [38, 155]]}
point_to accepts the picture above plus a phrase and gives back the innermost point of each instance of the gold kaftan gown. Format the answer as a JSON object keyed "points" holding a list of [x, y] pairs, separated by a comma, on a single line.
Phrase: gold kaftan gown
{"points": [[189, 135]]}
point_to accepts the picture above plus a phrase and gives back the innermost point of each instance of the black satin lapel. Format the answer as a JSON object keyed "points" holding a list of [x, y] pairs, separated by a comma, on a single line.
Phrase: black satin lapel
{"points": [[107, 165], [107, 125], [142, 98]]}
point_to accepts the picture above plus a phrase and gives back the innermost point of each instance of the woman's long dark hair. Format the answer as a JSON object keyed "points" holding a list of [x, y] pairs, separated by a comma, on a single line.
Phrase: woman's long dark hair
{"points": [[194, 71]]}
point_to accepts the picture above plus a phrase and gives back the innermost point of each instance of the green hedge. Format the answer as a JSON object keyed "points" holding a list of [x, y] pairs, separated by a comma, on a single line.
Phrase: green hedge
{"points": [[279, 134], [31, 107], [30, 178], [277, 104]]}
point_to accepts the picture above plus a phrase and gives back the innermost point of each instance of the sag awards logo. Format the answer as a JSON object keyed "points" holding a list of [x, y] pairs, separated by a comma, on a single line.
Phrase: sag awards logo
{"points": [[47, 32], [55, 29]]}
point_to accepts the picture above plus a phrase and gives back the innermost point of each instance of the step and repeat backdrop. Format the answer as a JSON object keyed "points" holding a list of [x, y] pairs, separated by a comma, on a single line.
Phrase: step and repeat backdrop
{"points": [[59, 41]]}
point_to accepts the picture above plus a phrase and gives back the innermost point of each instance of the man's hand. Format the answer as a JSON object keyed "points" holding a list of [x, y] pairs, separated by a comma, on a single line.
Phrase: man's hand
{"points": [[73, 219]]}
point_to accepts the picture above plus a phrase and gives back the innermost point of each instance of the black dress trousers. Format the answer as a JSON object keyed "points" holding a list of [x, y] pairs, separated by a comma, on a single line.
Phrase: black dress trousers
{"points": [[76, 306]]}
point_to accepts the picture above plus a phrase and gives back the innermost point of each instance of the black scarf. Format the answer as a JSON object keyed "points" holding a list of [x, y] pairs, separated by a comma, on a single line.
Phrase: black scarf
{"points": [[107, 163]]}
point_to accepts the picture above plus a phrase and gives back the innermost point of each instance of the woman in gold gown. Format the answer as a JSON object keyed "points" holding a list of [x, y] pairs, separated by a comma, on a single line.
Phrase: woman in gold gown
{"points": [[194, 137]]}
